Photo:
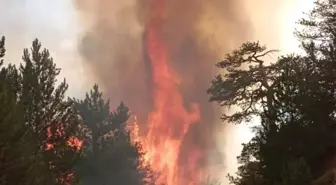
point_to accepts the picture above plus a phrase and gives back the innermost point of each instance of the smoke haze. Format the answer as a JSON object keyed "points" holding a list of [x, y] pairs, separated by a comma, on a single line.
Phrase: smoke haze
{"points": [[196, 33]]}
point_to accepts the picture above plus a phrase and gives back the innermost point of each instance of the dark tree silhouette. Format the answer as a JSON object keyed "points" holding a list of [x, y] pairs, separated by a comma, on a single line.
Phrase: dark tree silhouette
{"points": [[37, 122], [294, 97], [109, 156]]}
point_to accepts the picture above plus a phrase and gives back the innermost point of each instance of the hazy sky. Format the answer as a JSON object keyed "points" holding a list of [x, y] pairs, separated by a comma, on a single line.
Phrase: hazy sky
{"points": [[54, 23], [273, 25]]}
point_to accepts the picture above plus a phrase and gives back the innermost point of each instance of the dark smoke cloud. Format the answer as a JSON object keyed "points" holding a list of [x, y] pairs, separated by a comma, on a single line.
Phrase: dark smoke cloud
{"points": [[197, 34]]}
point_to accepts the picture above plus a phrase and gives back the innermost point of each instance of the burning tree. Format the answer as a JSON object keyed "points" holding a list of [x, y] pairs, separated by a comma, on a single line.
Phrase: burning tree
{"points": [[36, 115], [109, 155]]}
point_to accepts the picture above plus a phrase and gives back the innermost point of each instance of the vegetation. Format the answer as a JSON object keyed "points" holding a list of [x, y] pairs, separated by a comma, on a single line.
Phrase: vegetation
{"points": [[294, 97], [110, 157], [47, 138], [41, 131], [36, 123]]}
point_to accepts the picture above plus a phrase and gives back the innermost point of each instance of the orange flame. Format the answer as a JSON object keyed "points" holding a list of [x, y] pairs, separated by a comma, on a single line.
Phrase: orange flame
{"points": [[133, 128], [169, 121], [73, 142]]}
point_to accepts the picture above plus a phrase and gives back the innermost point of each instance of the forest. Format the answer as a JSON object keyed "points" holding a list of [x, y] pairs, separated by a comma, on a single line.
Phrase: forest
{"points": [[47, 138]]}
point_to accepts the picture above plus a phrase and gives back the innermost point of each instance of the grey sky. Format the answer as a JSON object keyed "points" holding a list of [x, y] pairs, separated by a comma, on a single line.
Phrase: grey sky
{"points": [[54, 23]]}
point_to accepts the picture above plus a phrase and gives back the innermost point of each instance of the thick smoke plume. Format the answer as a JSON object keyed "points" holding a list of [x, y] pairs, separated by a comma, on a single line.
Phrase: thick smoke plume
{"points": [[195, 33]]}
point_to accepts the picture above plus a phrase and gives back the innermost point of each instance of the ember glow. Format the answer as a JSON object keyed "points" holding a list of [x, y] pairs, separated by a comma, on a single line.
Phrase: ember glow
{"points": [[73, 141]]}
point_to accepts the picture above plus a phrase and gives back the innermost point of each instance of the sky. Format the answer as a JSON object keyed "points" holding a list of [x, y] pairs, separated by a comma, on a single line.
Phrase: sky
{"points": [[273, 22], [54, 22]]}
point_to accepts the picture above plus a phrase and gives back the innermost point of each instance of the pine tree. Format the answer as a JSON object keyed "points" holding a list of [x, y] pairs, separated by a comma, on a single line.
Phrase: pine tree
{"points": [[49, 119], [31, 108], [109, 156], [295, 101], [98, 118], [12, 130]]}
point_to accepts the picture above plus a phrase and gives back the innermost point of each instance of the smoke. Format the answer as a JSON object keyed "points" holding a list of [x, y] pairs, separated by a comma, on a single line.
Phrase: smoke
{"points": [[196, 33]]}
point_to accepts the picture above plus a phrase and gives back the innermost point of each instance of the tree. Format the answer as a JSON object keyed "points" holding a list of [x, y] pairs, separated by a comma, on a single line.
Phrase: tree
{"points": [[283, 95], [109, 156], [249, 84], [296, 172], [51, 119], [38, 122], [303, 97], [11, 130], [318, 37], [245, 87]]}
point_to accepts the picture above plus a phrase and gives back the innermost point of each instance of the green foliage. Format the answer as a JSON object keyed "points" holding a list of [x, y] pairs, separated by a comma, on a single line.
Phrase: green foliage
{"points": [[12, 131], [284, 95], [12, 135], [97, 117], [34, 114], [249, 88], [296, 172], [248, 174], [37, 122], [109, 156], [45, 107], [295, 100]]}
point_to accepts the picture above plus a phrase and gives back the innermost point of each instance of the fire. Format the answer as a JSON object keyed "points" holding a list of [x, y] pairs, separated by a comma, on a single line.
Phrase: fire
{"points": [[73, 142], [169, 121], [133, 128]]}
